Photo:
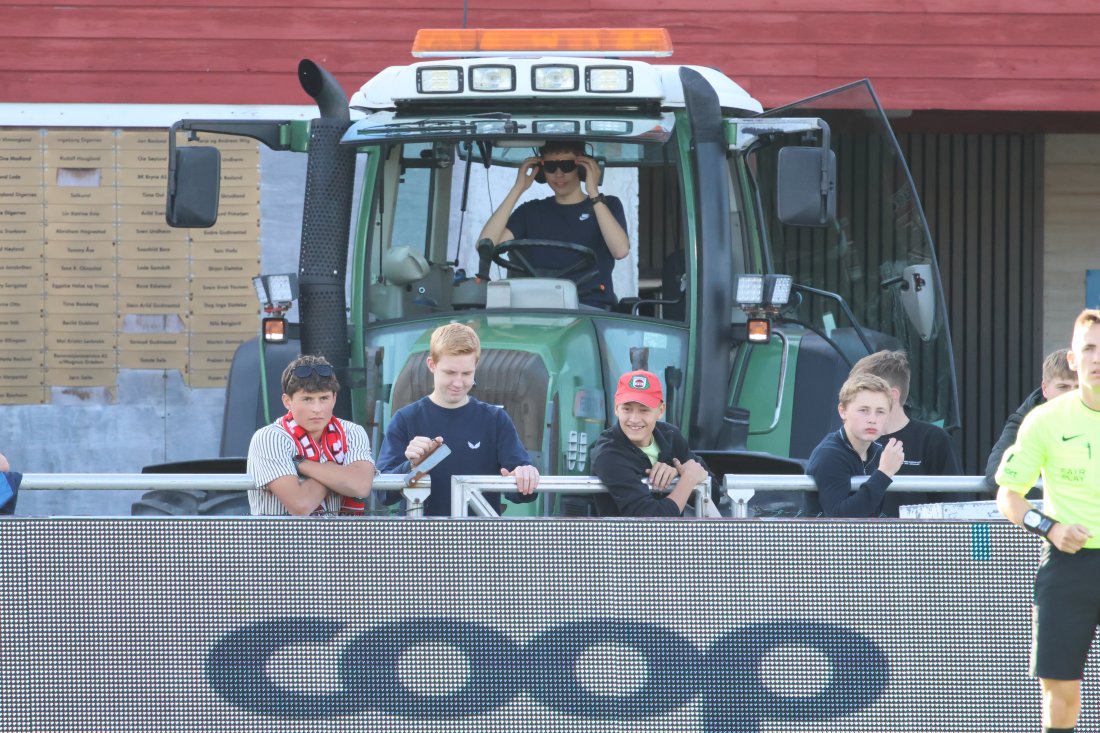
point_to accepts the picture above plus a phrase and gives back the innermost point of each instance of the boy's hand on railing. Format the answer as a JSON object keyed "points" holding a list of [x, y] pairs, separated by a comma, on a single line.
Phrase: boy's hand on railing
{"points": [[527, 478], [692, 472], [661, 476]]}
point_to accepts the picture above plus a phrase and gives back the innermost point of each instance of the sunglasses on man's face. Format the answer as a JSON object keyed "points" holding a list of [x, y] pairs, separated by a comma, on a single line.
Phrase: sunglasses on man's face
{"points": [[321, 370], [553, 166]]}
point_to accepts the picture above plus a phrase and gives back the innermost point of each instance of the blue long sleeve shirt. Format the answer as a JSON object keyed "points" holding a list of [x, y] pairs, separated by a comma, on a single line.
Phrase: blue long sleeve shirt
{"points": [[482, 439]]}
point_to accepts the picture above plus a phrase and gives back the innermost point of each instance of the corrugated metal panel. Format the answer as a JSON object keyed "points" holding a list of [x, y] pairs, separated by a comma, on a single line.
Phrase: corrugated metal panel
{"points": [[983, 199]]}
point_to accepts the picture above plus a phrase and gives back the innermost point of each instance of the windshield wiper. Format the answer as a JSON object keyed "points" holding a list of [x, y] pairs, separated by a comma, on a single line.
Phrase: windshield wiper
{"points": [[455, 127]]}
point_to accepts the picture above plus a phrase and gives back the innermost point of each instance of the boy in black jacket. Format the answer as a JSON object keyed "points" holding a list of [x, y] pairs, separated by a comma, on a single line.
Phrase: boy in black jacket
{"points": [[639, 447], [929, 450], [1058, 379], [865, 403]]}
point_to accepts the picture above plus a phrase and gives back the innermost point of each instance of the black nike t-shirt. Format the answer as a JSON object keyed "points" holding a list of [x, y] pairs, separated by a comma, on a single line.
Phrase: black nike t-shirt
{"points": [[575, 223]]}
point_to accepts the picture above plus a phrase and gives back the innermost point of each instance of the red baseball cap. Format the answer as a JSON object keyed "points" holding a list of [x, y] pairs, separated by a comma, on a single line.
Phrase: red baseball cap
{"points": [[639, 386]]}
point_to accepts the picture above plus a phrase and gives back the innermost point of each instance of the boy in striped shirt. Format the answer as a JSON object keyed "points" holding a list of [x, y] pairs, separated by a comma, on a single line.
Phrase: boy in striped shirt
{"points": [[308, 461]]}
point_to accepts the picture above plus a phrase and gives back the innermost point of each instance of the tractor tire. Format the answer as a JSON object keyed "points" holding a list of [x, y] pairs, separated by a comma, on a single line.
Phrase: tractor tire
{"points": [[193, 503]]}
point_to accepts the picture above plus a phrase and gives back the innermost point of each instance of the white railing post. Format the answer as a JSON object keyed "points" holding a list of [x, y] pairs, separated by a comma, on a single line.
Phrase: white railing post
{"points": [[414, 500]]}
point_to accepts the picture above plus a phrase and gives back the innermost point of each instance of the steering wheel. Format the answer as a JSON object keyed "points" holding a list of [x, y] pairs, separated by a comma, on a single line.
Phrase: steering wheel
{"points": [[583, 270]]}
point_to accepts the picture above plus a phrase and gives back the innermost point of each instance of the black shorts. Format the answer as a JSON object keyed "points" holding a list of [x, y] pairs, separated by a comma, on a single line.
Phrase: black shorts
{"points": [[1065, 612]]}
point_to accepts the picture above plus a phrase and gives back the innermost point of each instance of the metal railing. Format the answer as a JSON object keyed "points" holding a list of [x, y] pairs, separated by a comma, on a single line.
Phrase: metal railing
{"points": [[740, 488], [415, 497], [467, 492]]}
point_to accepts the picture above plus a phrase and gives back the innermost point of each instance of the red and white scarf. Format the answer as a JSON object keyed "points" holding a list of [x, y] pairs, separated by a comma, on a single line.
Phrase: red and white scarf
{"points": [[333, 447], [333, 440]]}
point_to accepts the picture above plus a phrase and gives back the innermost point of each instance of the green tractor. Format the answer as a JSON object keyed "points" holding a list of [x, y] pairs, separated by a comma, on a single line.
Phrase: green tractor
{"points": [[769, 251]]}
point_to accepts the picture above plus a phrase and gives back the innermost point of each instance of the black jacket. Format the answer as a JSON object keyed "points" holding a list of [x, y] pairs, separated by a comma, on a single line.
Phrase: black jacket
{"points": [[622, 466], [833, 464], [1008, 436]]}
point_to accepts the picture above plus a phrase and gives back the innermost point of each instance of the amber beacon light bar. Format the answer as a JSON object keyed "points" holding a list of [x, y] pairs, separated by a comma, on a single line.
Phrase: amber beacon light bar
{"points": [[610, 42]]}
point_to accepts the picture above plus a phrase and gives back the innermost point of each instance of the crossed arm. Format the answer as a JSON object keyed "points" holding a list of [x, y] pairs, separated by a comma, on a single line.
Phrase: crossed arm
{"points": [[302, 495]]}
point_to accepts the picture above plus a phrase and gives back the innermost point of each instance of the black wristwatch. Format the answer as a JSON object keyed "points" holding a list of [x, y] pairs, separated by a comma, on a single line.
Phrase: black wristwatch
{"points": [[598, 199], [1038, 523]]}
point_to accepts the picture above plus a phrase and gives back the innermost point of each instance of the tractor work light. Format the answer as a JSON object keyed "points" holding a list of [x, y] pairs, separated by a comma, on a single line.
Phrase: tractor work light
{"points": [[750, 290], [763, 290], [492, 79], [778, 289], [439, 80], [276, 293], [557, 127], [609, 127], [261, 292], [492, 127], [281, 288], [608, 79], [606, 42], [554, 78]]}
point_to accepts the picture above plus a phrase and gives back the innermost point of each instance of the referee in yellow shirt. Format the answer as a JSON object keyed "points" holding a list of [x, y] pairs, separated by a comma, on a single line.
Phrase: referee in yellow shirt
{"points": [[1061, 440]]}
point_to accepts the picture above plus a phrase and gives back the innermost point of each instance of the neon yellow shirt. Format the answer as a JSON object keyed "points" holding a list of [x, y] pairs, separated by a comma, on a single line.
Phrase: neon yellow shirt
{"points": [[1061, 441], [652, 451]]}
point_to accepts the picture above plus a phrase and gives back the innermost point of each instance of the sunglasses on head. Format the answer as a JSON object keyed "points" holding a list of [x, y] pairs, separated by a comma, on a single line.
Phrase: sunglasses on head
{"points": [[321, 370], [553, 166]]}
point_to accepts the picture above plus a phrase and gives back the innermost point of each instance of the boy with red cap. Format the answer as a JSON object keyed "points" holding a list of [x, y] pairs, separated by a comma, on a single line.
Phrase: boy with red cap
{"points": [[640, 448]]}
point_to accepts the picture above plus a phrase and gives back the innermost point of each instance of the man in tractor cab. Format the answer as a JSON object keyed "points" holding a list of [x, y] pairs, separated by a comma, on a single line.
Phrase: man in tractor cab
{"points": [[588, 218]]}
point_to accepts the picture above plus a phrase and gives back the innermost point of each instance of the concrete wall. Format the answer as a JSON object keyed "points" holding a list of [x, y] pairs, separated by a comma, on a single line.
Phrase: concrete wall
{"points": [[1071, 231], [152, 417]]}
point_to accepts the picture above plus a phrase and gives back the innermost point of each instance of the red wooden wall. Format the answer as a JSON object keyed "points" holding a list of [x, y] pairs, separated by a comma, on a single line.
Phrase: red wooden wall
{"points": [[920, 54]]}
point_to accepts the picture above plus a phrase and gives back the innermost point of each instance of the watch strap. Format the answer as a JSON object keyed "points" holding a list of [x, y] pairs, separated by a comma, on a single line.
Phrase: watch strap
{"points": [[1041, 527]]}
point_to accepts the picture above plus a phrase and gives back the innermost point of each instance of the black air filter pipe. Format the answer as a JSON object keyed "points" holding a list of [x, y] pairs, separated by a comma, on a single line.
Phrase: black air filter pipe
{"points": [[326, 222]]}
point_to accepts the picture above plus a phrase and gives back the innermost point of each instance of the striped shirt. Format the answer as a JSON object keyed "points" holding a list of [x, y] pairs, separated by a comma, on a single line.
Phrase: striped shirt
{"points": [[271, 455]]}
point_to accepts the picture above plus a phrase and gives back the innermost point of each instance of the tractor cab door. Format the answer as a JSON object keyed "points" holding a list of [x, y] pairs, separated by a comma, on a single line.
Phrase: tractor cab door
{"points": [[868, 279]]}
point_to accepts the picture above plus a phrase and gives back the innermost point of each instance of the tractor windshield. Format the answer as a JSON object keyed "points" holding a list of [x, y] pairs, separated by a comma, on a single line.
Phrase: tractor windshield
{"points": [[869, 281], [432, 183]]}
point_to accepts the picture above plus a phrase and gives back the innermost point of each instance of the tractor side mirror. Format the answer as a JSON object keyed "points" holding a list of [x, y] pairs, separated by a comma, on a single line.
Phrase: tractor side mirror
{"points": [[806, 184], [194, 183]]}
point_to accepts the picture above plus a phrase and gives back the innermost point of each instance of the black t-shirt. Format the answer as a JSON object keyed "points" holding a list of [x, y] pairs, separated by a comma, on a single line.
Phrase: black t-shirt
{"points": [[928, 452], [576, 223]]}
